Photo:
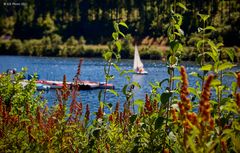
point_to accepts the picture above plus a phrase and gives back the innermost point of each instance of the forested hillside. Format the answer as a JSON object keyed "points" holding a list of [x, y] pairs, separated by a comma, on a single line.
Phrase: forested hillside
{"points": [[90, 22]]}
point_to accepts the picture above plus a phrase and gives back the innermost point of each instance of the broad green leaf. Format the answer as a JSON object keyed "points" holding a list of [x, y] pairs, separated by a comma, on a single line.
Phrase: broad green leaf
{"points": [[232, 74], [177, 78], [174, 46], [182, 6], [117, 55], [164, 80], [113, 92], [119, 46], [181, 32], [207, 67], [212, 56], [125, 72], [124, 89], [204, 17], [100, 95], [177, 26], [165, 97], [192, 144], [178, 34], [107, 55], [109, 77], [200, 43], [200, 29], [153, 85], [178, 18], [159, 122], [123, 24], [210, 28], [194, 91], [169, 33], [121, 34], [214, 48], [115, 25], [115, 35], [136, 84], [220, 45], [128, 78], [226, 65], [109, 105], [139, 102], [215, 82], [196, 74], [116, 67], [173, 60], [234, 86], [231, 53]]}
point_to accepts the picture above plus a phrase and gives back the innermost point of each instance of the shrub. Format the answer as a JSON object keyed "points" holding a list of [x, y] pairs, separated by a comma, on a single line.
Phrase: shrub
{"points": [[71, 45], [33, 47], [16, 47], [82, 40], [11, 47]]}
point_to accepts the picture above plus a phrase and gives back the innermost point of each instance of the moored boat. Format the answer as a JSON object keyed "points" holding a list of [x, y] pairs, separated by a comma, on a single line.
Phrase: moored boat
{"points": [[42, 86], [52, 84], [83, 85], [87, 85], [39, 86], [103, 85]]}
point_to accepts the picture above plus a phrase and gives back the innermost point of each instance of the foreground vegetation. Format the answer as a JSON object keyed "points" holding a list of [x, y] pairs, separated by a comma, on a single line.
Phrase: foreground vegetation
{"points": [[173, 117]]}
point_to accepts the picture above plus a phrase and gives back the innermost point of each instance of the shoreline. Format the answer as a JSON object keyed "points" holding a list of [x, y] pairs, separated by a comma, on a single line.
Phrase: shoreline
{"points": [[35, 47]]}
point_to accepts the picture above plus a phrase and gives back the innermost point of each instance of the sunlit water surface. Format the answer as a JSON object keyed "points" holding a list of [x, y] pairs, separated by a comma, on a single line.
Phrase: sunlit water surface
{"points": [[53, 68]]}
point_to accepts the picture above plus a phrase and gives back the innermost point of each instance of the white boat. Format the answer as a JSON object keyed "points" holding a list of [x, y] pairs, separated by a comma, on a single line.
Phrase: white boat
{"points": [[137, 63], [39, 86], [42, 86]]}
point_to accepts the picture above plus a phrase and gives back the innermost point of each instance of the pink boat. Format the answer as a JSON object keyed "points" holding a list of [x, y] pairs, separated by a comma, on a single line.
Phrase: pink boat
{"points": [[82, 84]]}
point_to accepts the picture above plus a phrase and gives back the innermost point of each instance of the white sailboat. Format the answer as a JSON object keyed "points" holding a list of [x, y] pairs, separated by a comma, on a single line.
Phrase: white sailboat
{"points": [[137, 64]]}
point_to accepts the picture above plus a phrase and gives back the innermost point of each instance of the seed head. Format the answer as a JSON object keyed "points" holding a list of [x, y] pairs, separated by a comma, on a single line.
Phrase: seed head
{"points": [[87, 114], [238, 99], [238, 79], [100, 112], [204, 104], [148, 108]]}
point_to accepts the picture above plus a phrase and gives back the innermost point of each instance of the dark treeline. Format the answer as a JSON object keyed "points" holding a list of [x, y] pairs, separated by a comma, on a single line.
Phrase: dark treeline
{"points": [[92, 19]]}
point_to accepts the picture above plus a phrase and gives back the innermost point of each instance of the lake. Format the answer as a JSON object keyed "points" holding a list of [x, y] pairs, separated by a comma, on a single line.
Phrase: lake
{"points": [[53, 68]]}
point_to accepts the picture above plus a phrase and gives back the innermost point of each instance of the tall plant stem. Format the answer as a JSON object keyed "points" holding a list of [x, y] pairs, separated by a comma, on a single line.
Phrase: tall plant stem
{"points": [[106, 81], [203, 57], [219, 103], [171, 74]]}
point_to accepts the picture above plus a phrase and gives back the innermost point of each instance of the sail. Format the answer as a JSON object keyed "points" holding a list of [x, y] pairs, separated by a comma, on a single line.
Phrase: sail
{"points": [[137, 61]]}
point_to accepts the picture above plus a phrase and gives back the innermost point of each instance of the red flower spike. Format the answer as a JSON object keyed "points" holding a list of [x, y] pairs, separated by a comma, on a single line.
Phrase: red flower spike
{"points": [[110, 118], [238, 79], [100, 113], [238, 99], [87, 114]]}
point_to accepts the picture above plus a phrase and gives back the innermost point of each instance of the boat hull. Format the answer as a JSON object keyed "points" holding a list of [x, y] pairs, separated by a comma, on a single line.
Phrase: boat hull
{"points": [[103, 85], [42, 87], [82, 85], [141, 73]]}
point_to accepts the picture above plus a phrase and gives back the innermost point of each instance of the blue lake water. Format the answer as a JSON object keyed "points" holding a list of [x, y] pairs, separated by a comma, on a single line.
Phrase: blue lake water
{"points": [[53, 68]]}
